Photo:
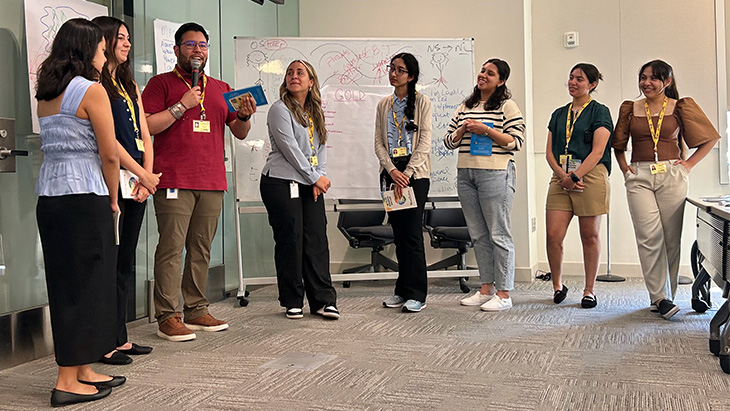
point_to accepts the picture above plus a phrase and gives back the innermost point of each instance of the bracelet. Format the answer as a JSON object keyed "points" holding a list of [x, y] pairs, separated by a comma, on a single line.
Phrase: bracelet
{"points": [[245, 118], [574, 177], [176, 111], [181, 104]]}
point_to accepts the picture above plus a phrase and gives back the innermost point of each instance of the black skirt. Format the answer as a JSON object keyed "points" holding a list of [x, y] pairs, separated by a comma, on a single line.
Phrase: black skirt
{"points": [[77, 236]]}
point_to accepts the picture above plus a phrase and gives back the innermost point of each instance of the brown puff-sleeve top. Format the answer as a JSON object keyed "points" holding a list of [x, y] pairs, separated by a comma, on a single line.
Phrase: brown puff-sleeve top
{"points": [[685, 124]]}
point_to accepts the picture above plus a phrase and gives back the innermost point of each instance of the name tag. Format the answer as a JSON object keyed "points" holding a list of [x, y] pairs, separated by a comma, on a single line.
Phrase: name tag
{"points": [[658, 168], [140, 144], [400, 152], [573, 165], [564, 160], [313, 161], [201, 126], [294, 190], [172, 194]]}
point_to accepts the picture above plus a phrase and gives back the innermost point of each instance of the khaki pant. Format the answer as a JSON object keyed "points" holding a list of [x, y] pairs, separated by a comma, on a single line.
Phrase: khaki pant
{"points": [[187, 222], [656, 204]]}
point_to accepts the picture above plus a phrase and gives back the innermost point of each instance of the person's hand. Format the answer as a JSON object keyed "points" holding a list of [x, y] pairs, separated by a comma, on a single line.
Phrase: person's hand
{"points": [[140, 193], [687, 166], [459, 134], [477, 127], [150, 180], [323, 184], [191, 98], [316, 192], [399, 178], [398, 192], [580, 185], [248, 106], [567, 183], [115, 207], [631, 169]]}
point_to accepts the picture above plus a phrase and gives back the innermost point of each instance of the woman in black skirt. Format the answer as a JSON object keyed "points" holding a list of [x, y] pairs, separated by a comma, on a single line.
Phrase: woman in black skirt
{"points": [[77, 188]]}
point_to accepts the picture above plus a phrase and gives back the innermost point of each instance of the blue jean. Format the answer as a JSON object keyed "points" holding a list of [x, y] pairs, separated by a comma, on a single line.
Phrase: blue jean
{"points": [[486, 198]]}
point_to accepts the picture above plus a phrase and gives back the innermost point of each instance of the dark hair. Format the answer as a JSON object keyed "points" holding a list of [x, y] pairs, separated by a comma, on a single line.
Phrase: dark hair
{"points": [[663, 71], [500, 94], [412, 66], [591, 72], [312, 104], [191, 26], [110, 27], [72, 54]]}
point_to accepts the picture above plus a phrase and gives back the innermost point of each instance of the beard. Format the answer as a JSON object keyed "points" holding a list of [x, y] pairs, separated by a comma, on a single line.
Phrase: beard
{"points": [[185, 64]]}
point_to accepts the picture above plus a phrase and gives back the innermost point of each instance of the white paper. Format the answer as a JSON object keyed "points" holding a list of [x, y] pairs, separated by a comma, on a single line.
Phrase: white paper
{"points": [[164, 43], [407, 200], [127, 182]]}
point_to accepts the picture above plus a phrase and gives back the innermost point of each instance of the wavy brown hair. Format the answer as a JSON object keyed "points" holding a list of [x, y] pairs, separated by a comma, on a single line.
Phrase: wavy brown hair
{"points": [[312, 105], [124, 76]]}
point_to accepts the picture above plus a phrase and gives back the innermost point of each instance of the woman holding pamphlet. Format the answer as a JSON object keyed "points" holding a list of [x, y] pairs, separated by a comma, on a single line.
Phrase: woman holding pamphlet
{"points": [[77, 195], [661, 125], [487, 129], [403, 147], [578, 153], [292, 189], [135, 156]]}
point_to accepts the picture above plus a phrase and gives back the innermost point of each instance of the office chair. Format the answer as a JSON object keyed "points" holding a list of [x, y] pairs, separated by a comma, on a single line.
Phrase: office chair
{"points": [[447, 229]]}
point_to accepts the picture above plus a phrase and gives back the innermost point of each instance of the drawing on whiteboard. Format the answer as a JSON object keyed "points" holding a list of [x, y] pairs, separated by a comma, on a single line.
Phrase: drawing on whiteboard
{"points": [[257, 59], [51, 21], [439, 61]]}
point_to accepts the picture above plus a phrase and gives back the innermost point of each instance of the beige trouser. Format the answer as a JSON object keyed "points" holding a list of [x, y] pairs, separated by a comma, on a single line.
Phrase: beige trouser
{"points": [[656, 204], [189, 221]]}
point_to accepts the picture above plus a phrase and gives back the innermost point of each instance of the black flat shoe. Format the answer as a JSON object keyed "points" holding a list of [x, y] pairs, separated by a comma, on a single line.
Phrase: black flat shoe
{"points": [[589, 301], [136, 350], [60, 398], [116, 381], [116, 359], [560, 295]]}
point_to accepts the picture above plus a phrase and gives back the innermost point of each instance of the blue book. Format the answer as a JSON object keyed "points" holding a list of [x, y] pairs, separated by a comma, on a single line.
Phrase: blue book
{"points": [[233, 98], [481, 145]]}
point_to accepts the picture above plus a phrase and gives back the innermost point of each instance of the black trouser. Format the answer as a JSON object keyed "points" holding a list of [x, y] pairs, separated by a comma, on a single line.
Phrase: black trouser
{"points": [[130, 224], [301, 251], [408, 237]]}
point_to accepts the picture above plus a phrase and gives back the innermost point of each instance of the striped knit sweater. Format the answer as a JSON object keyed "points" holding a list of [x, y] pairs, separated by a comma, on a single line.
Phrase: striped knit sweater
{"points": [[507, 119]]}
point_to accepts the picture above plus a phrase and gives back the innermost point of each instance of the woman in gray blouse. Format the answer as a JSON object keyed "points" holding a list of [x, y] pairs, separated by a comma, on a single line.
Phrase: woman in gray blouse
{"points": [[292, 189]]}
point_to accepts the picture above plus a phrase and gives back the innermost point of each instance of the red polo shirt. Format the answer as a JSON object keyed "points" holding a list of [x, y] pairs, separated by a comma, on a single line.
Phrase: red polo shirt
{"points": [[188, 159]]}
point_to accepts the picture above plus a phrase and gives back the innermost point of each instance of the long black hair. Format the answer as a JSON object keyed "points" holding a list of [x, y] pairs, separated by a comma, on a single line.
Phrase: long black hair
{"points": [[500, 94], [663, 71], [124, 76], [72, 54], [413, 71]]}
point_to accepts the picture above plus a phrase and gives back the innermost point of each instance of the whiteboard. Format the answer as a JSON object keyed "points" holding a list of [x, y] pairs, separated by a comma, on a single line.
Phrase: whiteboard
{"points": [[43, 18], [353, 78]]}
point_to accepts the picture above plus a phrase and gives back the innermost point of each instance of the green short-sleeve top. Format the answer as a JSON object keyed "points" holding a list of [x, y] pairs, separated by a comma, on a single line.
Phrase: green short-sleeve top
{"points": [[593, 117]]}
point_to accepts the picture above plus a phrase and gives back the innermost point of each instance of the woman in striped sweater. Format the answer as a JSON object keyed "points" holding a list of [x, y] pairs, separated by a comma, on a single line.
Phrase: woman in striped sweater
{"points": [[487, 129]]}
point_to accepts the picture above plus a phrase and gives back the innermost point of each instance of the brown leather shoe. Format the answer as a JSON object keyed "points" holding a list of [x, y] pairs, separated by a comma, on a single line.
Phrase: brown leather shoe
{"points": [[173, 329], [206, 323]]}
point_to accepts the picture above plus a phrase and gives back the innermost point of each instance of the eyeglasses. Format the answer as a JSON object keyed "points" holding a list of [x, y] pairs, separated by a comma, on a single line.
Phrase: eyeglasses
{"points": [[394, 69], [190, 44]]}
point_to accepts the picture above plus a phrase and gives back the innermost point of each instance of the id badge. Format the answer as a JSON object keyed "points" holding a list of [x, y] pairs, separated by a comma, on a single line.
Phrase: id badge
{"points": [[658, 168], [172, 193], [201, 126], [564, 159], [294, 189], [140, 144], [573, 165], [400, 152], [313, 161]]}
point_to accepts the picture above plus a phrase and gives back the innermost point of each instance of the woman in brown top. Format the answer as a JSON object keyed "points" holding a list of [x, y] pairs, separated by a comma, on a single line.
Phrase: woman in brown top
{"points": [[661, 126]]}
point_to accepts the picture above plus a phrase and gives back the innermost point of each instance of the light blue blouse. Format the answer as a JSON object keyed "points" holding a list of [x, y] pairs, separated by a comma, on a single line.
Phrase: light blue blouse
{"points": [[71, 163], [406, 140], [290, 148]]}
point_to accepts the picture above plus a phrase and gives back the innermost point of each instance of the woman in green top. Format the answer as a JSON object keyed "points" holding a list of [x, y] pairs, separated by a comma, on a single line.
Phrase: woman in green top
{"points": [[577, 152]]}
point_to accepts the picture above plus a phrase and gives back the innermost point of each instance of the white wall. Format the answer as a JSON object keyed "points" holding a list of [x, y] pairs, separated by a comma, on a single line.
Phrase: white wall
{"points": [[616, 36]]}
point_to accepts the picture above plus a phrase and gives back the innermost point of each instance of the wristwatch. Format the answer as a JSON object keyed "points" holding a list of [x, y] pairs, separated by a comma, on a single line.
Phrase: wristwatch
{"points": [[574, 177], [244, 118]]}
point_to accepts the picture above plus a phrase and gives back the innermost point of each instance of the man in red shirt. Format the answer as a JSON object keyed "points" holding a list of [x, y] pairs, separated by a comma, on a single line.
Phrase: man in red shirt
{"points": [[188, 122]]}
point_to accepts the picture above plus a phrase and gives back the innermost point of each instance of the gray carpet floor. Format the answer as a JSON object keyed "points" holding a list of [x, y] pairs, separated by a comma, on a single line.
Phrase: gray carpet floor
{"points": [[536, 356]]}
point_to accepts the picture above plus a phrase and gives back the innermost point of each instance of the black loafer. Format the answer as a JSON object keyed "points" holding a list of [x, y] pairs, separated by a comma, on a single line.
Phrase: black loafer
{"points": [[116, 381], [60, 398], [136, 350], [588, 301], [560, 295], [116, 359]]}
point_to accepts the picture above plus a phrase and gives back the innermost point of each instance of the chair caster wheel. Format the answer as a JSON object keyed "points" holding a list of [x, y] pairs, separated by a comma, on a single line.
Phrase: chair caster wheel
{"points": [[699, 305], [715, 347], [725, 363], [243, 302], [464, 288], [345, 284]]}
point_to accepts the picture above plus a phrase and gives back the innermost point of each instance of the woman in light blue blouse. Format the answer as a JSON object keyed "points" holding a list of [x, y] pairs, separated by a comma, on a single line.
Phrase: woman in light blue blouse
{"points": [[292, 189]]}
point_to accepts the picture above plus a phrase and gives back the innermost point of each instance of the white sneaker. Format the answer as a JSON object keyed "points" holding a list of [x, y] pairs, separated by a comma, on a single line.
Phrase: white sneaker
{"points": [[477, 299], [497, 304]]}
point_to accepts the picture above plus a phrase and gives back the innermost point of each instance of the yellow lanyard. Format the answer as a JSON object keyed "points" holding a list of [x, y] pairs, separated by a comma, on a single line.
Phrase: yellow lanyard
{"points": [[202, 95], [311, 134], [655, 132], [130, 105], [400, 137], [570, 125]]}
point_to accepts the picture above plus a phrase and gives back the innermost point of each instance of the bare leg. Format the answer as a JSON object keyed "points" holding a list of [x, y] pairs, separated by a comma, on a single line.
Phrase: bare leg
{"points": [[556, 222], [590, 236]]}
